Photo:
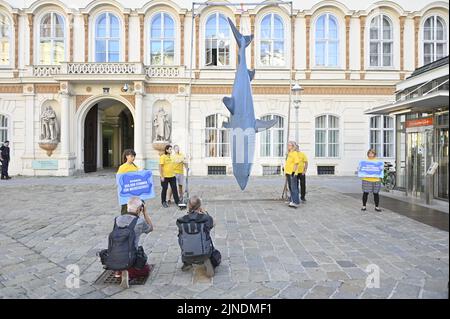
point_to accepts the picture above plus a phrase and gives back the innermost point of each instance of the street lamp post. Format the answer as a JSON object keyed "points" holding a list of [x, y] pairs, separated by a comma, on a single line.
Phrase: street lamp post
{"points": [[296, 90]]}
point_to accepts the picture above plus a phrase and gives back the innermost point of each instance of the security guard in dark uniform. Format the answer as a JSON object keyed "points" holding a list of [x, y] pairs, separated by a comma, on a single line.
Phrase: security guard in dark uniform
{"points": [[5, 157]]}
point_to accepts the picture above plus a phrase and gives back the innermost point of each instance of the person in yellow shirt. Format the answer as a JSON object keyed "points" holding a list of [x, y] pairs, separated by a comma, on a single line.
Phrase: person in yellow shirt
{"points": [[166, 170], [301, 173], [371, 185], [290, 169], [128, 166], [178, 160]]}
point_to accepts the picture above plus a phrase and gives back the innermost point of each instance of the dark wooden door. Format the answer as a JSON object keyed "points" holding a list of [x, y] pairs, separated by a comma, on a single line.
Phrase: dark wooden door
{"points": [[90, 140]]}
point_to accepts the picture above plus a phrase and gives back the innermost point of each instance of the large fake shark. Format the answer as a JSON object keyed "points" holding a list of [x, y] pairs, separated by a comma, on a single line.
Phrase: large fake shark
{"points": [[242, 123]]}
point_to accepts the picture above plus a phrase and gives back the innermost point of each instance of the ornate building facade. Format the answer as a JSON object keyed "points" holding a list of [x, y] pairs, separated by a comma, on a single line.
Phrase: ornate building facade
{"points": [[82, 80]]}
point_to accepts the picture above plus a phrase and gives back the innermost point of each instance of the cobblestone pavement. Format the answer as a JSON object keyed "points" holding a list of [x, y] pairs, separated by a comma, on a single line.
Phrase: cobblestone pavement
{"points": [[320, 250]]}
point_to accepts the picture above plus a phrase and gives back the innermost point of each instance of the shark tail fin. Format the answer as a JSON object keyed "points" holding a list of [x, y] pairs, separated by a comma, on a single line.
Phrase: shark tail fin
{"points": [[229, 103], [238, 36], [264, 125], [251, 74]]}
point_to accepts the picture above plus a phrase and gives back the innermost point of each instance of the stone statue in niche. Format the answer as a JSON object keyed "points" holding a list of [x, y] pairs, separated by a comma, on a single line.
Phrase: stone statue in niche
{"points": [[162, 126], [49, 125], [49, 137]]}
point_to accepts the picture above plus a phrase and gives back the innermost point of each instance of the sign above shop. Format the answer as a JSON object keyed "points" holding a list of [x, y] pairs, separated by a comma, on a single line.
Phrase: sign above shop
{"points": [[427, 121]]}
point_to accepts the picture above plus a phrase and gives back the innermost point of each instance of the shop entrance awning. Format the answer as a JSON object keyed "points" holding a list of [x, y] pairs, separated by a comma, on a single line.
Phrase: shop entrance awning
{"points": [[422, 103]]}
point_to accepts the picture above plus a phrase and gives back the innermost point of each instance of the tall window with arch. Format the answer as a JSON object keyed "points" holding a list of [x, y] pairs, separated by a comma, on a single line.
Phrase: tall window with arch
{"points": [[3, 128], [217, 138], [217, 40], [327, 136], [107, 38], [434, 39], [162, 39], [381, 41], [51, 39], [272, 140], [272, 41], [382, 135], [326, 41], [5, 40]]}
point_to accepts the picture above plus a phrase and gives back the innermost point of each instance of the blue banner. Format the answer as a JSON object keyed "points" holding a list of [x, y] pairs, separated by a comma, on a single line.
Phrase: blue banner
{"points": [[371, 169], [138, 184]]}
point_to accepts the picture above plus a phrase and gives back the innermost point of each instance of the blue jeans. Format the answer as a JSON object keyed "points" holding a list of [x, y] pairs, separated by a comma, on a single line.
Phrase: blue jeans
{"points": [[293, 188]]}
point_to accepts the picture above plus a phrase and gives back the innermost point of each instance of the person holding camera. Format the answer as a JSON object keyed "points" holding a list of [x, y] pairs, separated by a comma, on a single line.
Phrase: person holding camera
{"points": [[290, 169], [195, 240], [137, 214]]}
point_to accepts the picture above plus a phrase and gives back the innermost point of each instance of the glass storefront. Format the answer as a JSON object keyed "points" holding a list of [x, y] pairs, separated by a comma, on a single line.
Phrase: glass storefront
{"points": [[422, 139], [441, 182]]}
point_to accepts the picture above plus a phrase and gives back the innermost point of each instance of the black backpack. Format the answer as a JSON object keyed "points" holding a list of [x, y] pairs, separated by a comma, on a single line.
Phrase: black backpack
{"points": [[121, 249], [193, 236]]}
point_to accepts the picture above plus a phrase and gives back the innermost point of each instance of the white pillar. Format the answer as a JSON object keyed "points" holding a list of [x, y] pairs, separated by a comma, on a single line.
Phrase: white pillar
{"points": [[65, 124], [138, 129], [29, 125]]}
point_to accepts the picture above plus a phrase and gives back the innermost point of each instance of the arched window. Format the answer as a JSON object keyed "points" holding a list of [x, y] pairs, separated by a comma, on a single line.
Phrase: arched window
{"points": [[162, 39], [217, 137], [382, 135], [3, 128], [107, 38], [327, 136], [272, 140], [272, 41], [327, 41], [434, 39], [381, 41], [5, 40], [51, 39], [217, 41]]}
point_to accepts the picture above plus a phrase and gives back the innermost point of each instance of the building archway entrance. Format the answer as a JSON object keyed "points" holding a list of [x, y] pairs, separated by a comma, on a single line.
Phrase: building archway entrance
{"points": [[108, 131]]}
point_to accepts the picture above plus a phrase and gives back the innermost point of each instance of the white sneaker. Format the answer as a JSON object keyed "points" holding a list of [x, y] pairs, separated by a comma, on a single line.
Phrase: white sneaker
{"points": [[125, 280], [292, 204]]}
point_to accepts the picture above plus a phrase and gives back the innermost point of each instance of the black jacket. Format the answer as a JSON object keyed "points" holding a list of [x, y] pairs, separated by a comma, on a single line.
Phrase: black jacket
{"points": [[5, 152]]}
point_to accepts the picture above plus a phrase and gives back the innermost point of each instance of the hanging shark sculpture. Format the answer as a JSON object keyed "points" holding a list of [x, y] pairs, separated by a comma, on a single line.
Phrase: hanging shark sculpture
{"points": [[242, 123]]}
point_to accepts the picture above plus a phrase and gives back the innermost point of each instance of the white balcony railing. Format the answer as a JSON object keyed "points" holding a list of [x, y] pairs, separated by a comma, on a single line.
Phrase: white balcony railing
{"points": [[111, 68], [164, 71], [102, 68], [46, 70]]}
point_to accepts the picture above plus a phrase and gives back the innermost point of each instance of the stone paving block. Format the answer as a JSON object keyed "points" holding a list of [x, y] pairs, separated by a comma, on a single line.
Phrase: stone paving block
{"points": [[320, 292], [345, 263], [405, 291], [434, 295], [309, 264]]}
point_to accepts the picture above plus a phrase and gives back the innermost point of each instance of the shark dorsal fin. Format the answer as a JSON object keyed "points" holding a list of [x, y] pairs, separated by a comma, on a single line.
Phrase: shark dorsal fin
{"points": [[261, 125], [248, 39], [229, 103], [251, 74]]}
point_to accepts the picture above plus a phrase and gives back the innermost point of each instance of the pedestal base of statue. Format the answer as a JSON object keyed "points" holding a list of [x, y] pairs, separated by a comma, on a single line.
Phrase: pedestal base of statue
{"points": [[41, 165]]}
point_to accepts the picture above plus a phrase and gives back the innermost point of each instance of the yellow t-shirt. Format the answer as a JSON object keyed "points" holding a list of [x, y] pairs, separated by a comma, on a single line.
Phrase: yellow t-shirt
{"points": [[371, 179], [167, 163], [291, 160], [178, 165], [126, 168], [301, 165]]}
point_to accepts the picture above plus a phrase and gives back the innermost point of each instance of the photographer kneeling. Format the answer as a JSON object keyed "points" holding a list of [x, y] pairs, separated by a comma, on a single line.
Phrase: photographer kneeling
{"points": [[195, 239], [124, 254]]}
